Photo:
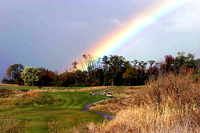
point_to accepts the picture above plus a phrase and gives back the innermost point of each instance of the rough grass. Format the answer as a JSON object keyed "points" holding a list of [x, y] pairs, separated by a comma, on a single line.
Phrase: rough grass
{"points": [[169, 104]]}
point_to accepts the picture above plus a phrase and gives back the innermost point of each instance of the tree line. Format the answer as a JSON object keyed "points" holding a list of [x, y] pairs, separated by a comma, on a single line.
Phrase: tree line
{"points": [[106, 71]]}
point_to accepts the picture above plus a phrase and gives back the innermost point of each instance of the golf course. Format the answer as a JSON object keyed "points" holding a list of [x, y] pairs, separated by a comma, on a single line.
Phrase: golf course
{"points": [[54, 109]]}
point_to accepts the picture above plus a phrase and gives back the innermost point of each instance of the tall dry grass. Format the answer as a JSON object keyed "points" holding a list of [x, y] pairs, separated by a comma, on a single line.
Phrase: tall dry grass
{"points": [[169, 104]]}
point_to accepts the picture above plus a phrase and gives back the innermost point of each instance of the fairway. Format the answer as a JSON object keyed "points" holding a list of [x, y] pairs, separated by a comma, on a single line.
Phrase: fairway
{"points": [[18, 87], [35, 117]]}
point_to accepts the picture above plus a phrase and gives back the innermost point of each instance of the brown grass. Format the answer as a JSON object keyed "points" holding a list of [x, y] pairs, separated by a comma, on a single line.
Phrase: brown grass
{"points": [[169, 104], [123, 101], [73, 90], [32, 93]]}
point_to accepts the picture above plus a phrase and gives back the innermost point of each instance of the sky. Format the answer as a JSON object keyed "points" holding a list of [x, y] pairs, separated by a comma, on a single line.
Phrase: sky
{"points": [[55, 33]]}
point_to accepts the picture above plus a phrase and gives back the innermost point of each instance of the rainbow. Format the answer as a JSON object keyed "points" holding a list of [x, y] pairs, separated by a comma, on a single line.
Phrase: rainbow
{"points": [[134, 27]]}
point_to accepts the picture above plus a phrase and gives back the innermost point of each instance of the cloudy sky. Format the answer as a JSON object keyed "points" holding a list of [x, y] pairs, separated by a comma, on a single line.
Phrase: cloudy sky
{"points": [[55, 33]]}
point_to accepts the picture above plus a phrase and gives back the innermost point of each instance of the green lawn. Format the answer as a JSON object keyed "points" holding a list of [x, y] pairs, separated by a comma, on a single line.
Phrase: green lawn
{"points": [[35, 118], [17, 87], [36, 87]]}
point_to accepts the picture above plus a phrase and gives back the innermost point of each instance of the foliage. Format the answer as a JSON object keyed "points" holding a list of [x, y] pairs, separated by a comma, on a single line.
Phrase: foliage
{"points": [[13, 74], [30, 75], [46, 77], [131, 73]]}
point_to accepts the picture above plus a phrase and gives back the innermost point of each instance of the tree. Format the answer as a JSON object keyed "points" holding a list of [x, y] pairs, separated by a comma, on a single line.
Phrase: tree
{"points": [[80, 77], [135, 62], [46, 77], [105, 62], [131, 73], [90, 62], [14, 73], [142, 65], [116, 63], [74, 65], [8, 72], [4, 80], [190, 61], [30, 75], [153, 71], [16, 70], [151, 62], [141, 69], [182, 61], [169, 60]]}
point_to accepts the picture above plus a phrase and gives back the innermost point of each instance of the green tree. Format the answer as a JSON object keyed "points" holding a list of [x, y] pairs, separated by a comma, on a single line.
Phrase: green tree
{"points": [[141, 69], [131, 73], [30, 75], [105, 62], [116, 63], [74, 66], [190, 61], [182, 61], [14, 73]]}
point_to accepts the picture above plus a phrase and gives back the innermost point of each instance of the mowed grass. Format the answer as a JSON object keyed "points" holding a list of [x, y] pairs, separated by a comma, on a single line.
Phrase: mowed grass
{"points": [[18, 87], [85, 89], [36, 118]]}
